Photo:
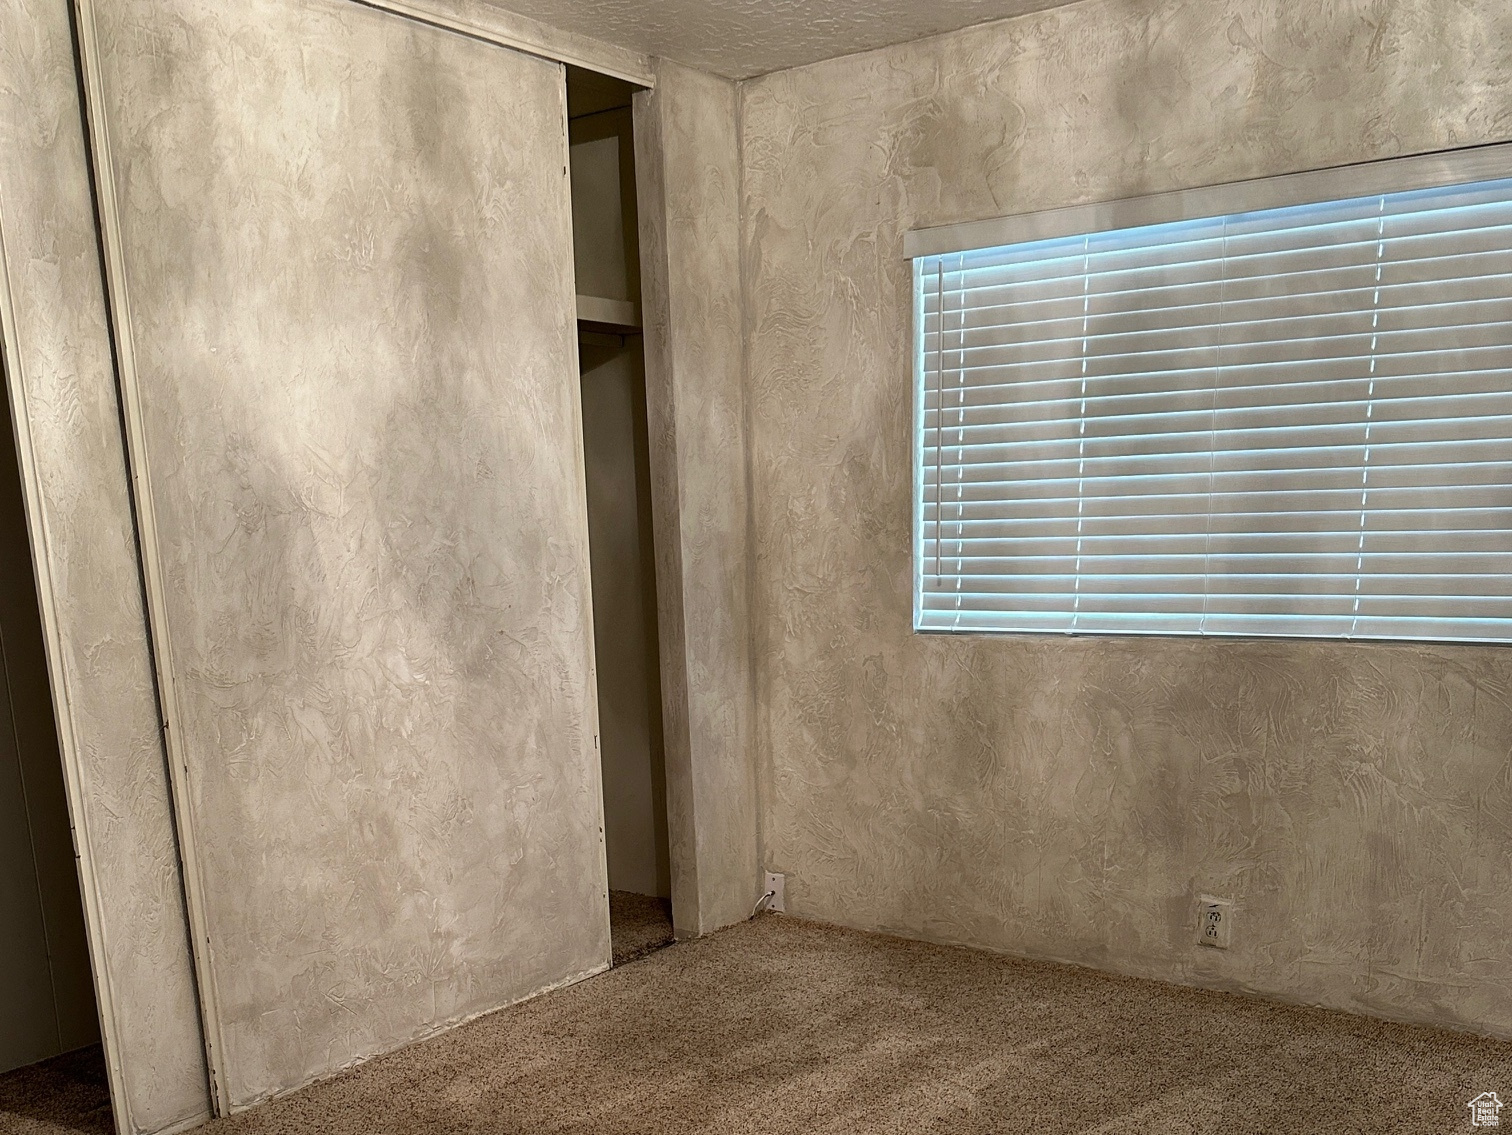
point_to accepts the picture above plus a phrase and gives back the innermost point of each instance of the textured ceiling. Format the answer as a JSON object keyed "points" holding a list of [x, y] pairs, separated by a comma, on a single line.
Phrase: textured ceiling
{"points": [[741, 38]]}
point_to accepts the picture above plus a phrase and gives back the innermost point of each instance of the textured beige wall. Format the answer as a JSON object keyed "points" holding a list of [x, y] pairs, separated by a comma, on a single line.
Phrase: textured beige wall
{"points": [[347, 255], [63, 390], [1068, 799], [688, 172]]}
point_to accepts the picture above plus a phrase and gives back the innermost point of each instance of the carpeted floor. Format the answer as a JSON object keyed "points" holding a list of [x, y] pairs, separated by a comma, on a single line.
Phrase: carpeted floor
{"points": [[638, 924], [67, 1095], [782, 1027]]}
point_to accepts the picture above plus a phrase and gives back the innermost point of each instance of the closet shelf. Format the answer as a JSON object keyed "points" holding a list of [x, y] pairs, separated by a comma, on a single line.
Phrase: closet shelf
{"points": [[615, 316]]}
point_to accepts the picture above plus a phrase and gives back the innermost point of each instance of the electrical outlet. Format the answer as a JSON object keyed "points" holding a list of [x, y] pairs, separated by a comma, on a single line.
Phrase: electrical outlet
{"points": [[775, 883], [1215, 921]]}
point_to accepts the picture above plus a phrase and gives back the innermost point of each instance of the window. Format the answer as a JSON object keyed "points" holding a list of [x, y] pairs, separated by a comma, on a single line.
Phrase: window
{"points": [[1263, 409]]}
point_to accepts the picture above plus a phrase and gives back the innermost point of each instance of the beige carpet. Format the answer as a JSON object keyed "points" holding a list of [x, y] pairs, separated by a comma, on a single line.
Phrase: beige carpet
{"points": [[67, 1095], [638, 924], [780, 1026]]}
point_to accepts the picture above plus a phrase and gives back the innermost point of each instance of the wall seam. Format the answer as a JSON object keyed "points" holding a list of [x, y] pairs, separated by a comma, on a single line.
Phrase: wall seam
{"points": [[144, 527], [90, 161], [755, 755]]}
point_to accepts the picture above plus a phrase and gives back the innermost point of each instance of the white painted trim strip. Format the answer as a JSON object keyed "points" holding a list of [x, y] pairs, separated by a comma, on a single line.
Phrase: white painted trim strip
{"points": [[201, 947], [481, 20]]}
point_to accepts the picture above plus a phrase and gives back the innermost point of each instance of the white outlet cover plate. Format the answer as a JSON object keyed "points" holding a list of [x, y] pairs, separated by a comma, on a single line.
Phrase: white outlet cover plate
{"points": [[1215, 921], [777, 885]]}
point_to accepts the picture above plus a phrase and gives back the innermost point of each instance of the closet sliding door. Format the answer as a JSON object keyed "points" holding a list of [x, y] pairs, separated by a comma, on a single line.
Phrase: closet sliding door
{"points": [[341, 265]]}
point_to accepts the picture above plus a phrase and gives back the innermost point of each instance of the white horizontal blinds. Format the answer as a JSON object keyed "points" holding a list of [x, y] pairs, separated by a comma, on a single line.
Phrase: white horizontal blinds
{"points": [[1067, 432], [1151, 336], [1292, 421], [1437, 511]]}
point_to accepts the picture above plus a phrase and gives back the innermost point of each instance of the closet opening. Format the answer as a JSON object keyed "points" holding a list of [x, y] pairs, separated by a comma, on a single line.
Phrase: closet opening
{"points": [[52, 1069], [616, 450]]}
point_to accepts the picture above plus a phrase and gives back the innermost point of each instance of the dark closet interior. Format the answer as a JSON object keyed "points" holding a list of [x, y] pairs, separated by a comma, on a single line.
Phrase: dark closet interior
{"points": [[617, 462]]}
